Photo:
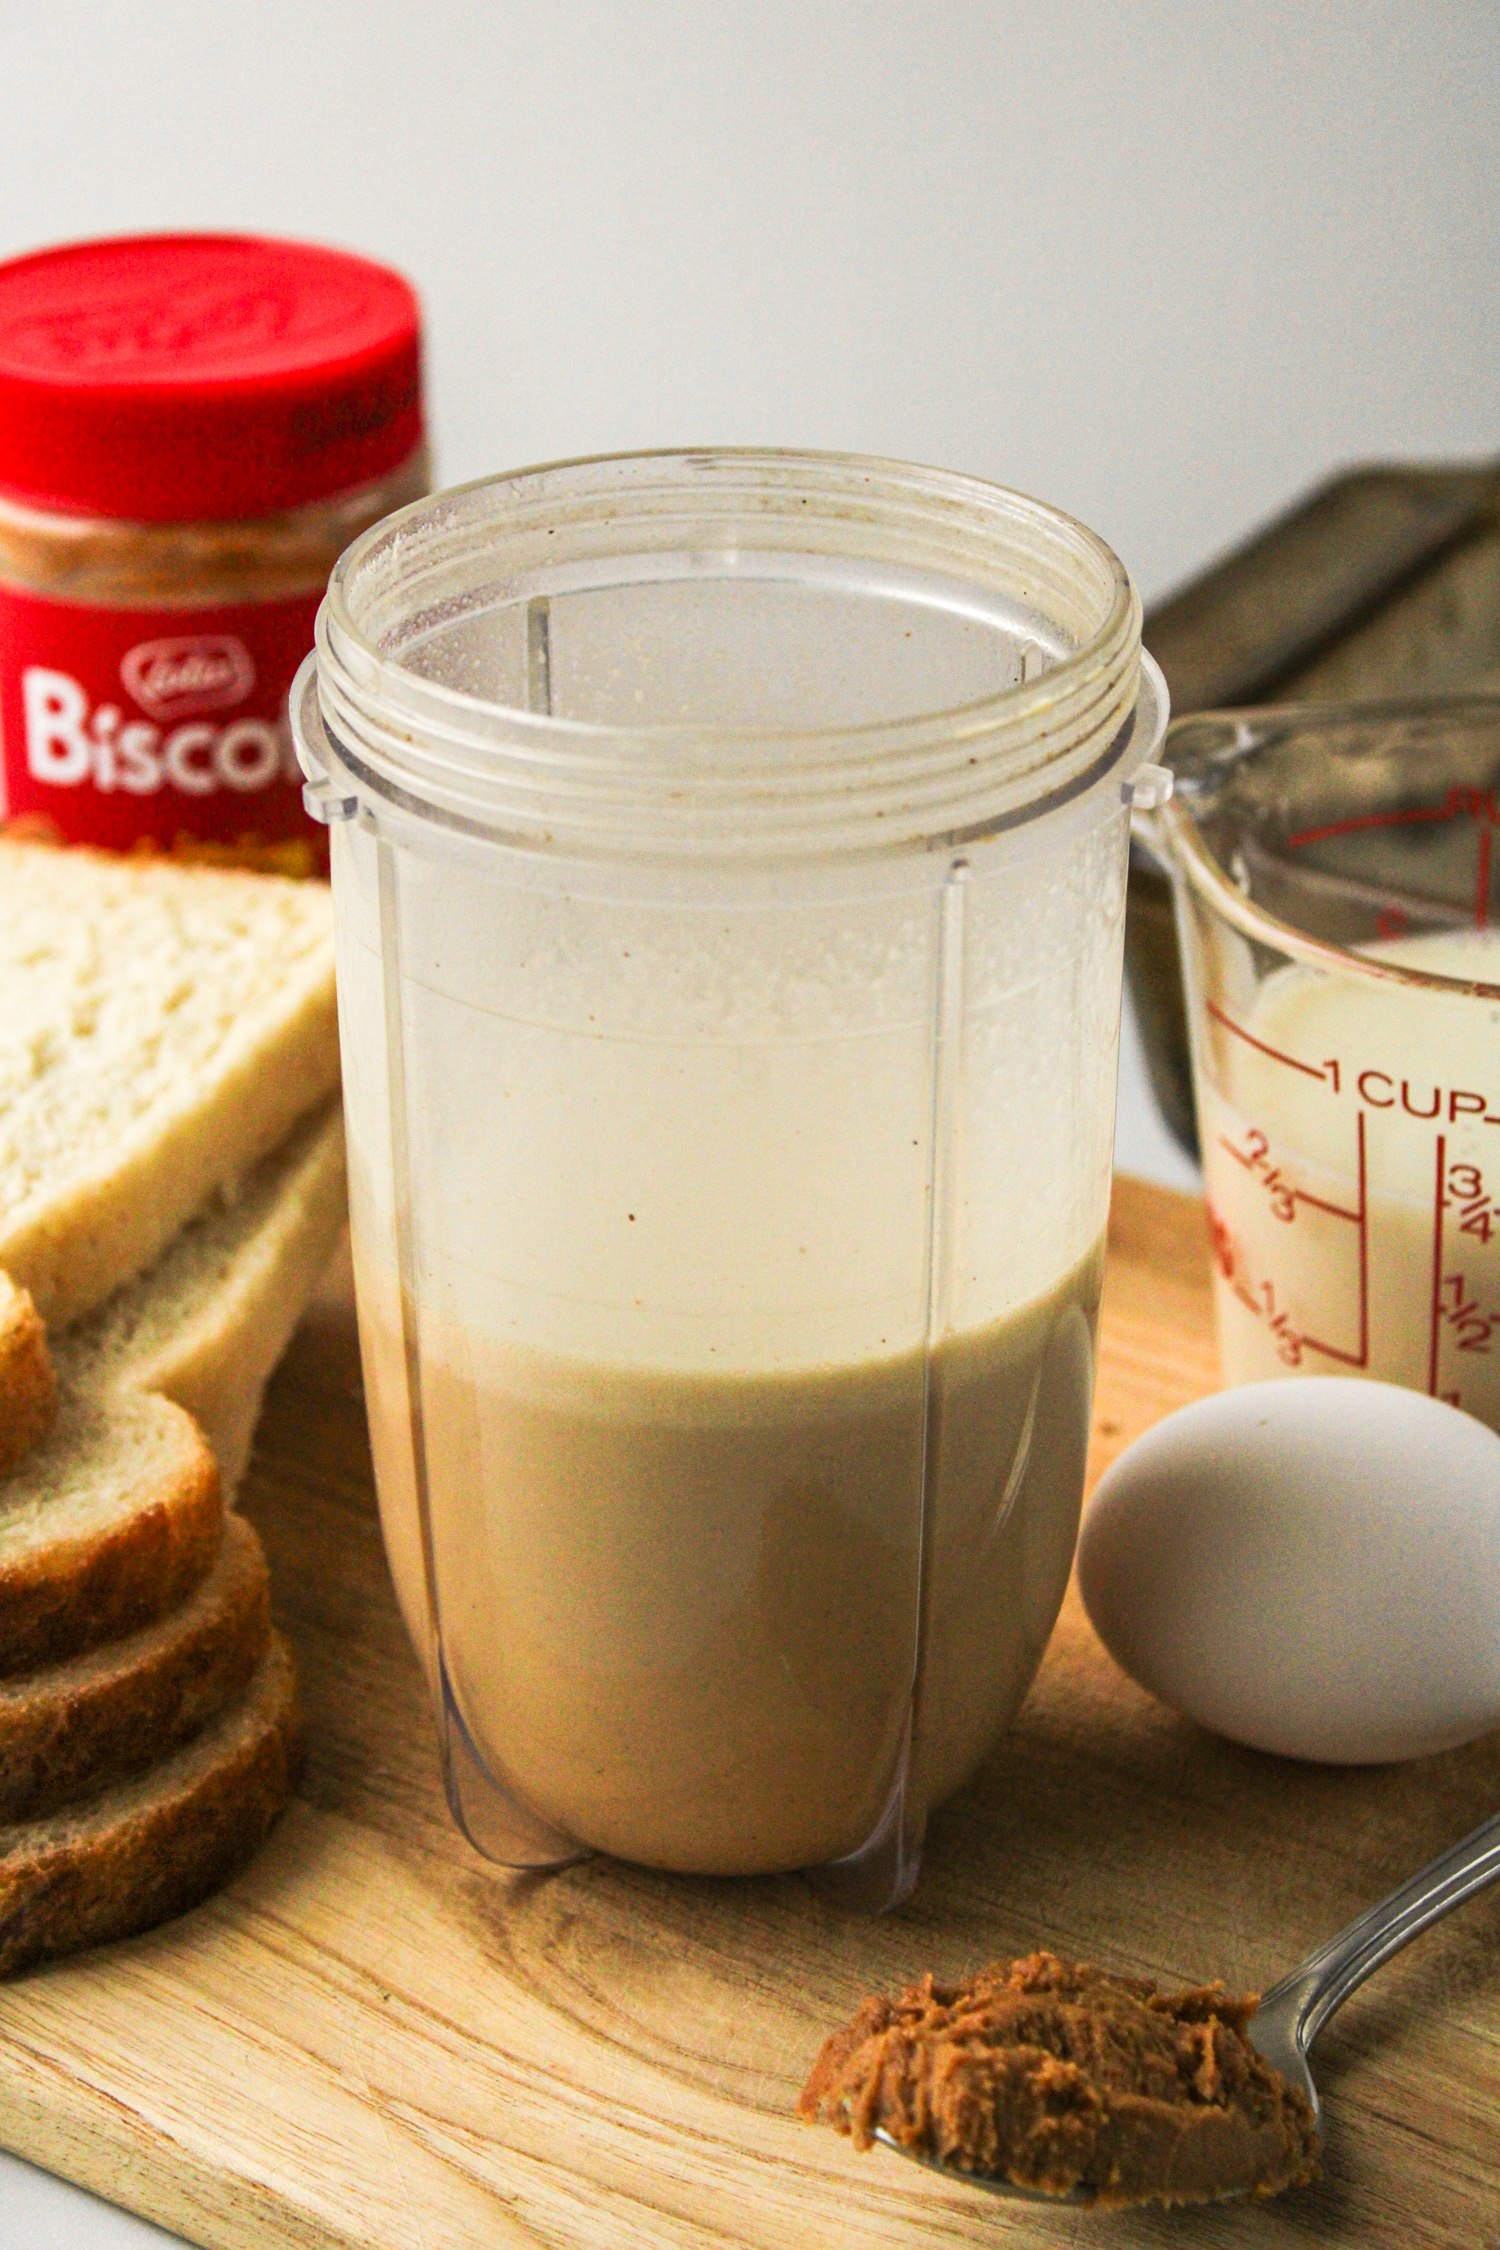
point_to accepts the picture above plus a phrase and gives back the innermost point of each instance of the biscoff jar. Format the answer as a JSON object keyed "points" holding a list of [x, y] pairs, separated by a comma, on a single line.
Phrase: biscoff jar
{"points": [[192, 429]]}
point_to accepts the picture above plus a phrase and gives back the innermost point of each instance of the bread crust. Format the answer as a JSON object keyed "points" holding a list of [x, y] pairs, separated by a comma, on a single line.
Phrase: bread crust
{"points": [[74, 1248], [137, 1856], [77, 1726], [63, 1593], [171, 1186], [98, 1219], [235, 1283], [28, 1387]]}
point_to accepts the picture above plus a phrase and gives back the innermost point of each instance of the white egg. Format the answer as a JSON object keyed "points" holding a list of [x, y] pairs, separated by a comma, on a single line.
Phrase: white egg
{"points": [[1310, 1566]]}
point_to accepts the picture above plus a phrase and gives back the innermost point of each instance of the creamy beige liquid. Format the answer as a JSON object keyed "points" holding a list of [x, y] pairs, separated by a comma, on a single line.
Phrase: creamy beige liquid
{"points": [[1353, 1172], [679, 1611]]}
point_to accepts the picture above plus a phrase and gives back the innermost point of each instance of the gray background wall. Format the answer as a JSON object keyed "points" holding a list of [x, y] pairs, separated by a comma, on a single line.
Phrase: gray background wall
{"points": [[1164, 263], [1160, 263]]}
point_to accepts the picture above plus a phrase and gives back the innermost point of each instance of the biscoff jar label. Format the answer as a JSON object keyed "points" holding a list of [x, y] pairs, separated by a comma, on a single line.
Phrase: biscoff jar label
{"points": [[192, 429], [158, 727]]}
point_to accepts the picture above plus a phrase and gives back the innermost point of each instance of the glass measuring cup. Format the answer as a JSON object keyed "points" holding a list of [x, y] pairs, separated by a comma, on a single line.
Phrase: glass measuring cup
{"points": [[728, 858], [1338, 904]]}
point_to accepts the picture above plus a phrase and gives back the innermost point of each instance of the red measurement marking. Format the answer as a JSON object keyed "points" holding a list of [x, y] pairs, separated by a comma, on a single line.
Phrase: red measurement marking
{"points": [[1482, 886], [1474, 1327], [1278, 1322], [1459, 804], [1438, 1199], [1364, 1253], [1335, 1210], [1361, 1358], [1310, 1070], [1254, 1160]]}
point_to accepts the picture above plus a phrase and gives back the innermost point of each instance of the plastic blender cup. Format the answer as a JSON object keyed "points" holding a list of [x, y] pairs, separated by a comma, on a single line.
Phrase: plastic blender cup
{"points": [[728, 856]]}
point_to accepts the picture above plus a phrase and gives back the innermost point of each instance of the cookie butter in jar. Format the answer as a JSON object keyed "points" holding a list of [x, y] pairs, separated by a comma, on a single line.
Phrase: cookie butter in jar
{"points": [[192, 429]]}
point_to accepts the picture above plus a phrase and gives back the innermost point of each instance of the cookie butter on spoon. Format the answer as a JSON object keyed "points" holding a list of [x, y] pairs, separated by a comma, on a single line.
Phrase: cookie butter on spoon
{"points": [[1045, 2077], [1058, 2079]]}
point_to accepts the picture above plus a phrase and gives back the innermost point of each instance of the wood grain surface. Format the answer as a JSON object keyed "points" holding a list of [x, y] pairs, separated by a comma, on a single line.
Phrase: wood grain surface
{"points": [[375, 2039]]}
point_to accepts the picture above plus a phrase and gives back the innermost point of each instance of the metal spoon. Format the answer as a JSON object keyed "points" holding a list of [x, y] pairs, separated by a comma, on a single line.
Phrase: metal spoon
{"points": [[1293, 2012]]}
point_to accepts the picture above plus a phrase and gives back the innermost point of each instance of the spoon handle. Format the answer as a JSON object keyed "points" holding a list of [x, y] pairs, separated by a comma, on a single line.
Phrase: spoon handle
{"points": [[1324, 1981]]}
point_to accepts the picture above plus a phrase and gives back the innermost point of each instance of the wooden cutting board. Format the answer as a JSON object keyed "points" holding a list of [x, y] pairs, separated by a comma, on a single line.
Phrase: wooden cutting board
{"points": [[374, 2038]]}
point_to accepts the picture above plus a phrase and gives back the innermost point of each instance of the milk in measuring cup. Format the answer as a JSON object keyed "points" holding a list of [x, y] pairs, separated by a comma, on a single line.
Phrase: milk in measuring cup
{"points": [[1351, 1152]]}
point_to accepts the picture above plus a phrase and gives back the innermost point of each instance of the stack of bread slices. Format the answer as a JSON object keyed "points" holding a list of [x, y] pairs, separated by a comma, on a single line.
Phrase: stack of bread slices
{"points": [[171, 1188]]}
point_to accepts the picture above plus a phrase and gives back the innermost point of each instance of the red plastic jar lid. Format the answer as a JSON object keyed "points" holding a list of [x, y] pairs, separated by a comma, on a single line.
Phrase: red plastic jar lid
{"points": [[179, 378]]}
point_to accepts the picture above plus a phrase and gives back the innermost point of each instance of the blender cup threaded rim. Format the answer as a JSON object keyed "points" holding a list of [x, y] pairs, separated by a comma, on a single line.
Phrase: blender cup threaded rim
{"points": [[926, 778]]}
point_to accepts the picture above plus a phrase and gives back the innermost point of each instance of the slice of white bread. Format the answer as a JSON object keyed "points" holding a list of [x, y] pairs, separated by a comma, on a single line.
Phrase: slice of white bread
{"points": [[155, 1845], [208, 1323], [113, 1517], [73, 1728], [28, 1390], [163, 1027]]}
